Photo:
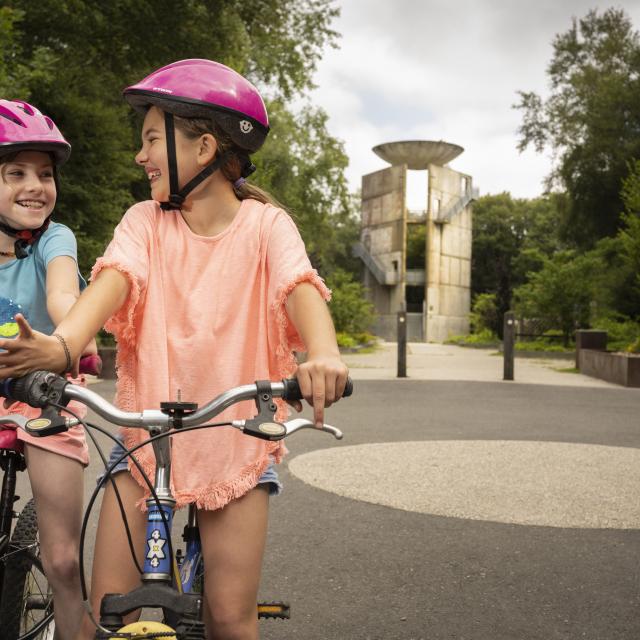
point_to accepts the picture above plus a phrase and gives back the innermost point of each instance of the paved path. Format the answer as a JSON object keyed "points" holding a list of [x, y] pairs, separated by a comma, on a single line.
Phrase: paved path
{"points": [[449, 362], [460, 507]]}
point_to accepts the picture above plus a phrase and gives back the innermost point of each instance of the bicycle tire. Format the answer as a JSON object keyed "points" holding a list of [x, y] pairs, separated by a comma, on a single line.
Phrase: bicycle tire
{"points": [[26, 612]]}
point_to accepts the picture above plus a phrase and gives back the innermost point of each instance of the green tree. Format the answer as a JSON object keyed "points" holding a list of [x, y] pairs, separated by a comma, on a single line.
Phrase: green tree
{"points": [[15, 74], [626, 279], [484, 314], [590, 121], [511, 237], [563, 291], [416, 246], [303, 166], [73, 58], [352, 313]]}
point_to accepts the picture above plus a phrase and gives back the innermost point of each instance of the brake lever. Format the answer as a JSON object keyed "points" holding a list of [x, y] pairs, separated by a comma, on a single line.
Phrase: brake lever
{"points": [[47, 424], [274, 431], [12, 421], [296, 424]]}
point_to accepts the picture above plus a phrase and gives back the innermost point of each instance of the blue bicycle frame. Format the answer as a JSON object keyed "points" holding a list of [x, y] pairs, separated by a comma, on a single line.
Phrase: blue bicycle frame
{"points": [[157, 560]]}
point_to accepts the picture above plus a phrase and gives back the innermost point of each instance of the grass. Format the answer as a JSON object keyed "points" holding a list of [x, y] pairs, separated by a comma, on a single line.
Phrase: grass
{"points": [[482, 339], [488, 339], [543, 346], [363, 342], [370, 349]]}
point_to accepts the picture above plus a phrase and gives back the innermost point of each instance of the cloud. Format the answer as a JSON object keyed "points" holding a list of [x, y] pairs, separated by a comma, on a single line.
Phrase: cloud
{"points": [[434, 70]]}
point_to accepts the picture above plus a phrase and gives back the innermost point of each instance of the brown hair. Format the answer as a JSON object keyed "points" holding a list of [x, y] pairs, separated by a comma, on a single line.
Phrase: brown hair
{"points": [[10, 157], [196, 127]]}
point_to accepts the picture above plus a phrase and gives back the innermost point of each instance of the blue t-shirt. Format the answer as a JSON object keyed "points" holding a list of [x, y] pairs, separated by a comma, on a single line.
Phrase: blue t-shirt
{"points": [[23, 283]]}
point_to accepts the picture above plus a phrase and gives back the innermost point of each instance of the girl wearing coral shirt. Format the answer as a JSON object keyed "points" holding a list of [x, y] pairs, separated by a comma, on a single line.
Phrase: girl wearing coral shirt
{"points": [[205, 287]]}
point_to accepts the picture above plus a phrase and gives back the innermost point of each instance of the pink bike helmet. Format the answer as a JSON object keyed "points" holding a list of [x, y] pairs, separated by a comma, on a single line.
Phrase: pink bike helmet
{"points": [[23, 127], [199, 88]]}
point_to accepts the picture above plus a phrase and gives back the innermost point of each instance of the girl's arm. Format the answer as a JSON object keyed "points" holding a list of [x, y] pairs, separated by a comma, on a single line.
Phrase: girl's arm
{"points": [[33, 350], [62, 287], [323, 376], [63, 291]]}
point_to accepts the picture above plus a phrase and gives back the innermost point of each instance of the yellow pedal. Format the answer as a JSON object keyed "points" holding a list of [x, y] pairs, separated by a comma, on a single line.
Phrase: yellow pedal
{"points": [[147, 629], [279, 610]]}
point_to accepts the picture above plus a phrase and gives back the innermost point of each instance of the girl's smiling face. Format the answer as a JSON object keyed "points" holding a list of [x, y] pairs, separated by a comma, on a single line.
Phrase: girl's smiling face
{"points": [[153, 155], [27, 190]]}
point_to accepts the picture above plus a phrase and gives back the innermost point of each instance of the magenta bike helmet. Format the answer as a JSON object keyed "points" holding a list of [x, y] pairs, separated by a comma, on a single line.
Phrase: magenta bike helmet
{"points": [[25, 128], [198, 88]]}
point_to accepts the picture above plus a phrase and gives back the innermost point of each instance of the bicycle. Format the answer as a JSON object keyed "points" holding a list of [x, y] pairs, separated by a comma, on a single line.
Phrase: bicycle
{"points": [[26, 604], [177, 592]]}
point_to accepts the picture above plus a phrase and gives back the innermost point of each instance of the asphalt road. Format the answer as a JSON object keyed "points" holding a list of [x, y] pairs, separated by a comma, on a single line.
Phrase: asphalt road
{"points": [[355, 569], [352, 569]]}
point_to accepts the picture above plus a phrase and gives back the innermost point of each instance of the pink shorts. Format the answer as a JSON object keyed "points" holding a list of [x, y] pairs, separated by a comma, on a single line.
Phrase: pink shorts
{"points": [[71, 444]]}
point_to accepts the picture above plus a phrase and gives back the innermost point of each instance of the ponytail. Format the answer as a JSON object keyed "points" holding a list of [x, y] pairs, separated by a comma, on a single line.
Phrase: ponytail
{"points": [[247, 190]]}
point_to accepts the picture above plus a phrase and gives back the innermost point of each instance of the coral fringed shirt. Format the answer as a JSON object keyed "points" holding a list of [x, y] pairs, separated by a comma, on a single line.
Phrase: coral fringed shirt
{"points": [[205, 314]]}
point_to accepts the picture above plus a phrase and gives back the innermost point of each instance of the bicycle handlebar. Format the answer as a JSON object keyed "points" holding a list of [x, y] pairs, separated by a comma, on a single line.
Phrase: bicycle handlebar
{"points": [[42, 389], [292, 389]]}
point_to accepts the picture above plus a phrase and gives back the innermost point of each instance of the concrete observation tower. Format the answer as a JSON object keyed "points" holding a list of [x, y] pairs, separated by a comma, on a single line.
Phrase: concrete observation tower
{"points": [[435, 295]]}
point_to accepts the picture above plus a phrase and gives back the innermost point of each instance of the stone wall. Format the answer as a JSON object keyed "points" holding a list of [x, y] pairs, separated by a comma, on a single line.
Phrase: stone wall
{"points": [[448, 273]]}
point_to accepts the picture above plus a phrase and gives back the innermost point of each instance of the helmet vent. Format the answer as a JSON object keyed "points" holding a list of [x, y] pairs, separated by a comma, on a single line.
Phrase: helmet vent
{"points": [[9, 115], [25, 107], [49, 122]]}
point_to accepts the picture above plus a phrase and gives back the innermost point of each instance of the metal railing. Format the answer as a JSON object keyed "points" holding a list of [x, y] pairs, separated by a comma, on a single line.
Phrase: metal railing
{"points": [[457, 206], [381, 274]]}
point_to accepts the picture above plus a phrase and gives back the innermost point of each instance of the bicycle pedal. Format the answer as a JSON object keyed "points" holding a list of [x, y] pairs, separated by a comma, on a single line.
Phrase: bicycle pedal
{"points": [[145, 629], [277, 610]]}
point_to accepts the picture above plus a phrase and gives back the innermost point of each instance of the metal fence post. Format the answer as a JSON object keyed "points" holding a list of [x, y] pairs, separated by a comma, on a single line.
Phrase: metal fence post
{"points": [[508, 344], [402, 344]]}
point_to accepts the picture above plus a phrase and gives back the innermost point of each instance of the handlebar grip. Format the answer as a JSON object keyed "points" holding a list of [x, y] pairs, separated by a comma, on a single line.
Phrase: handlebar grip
{"points": [[292, 389], [37, 389], [91, 364]]}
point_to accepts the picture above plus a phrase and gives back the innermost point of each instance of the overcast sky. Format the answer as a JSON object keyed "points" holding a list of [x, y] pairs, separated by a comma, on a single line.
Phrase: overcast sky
{"points": [[445, 70]]}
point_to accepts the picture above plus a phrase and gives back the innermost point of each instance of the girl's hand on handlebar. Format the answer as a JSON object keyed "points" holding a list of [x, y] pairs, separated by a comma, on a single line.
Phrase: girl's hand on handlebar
{"points": [[322, 380], [30, 351], [90, 350]]}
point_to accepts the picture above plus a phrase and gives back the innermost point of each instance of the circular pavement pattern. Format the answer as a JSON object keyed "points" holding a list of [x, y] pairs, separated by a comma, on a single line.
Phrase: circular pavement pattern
{"points": [[553, 484]]}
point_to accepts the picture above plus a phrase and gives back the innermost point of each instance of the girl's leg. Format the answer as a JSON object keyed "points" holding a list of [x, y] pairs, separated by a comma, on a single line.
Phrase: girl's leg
{"points": [[56, 482], [233, 540], [113, 568]]}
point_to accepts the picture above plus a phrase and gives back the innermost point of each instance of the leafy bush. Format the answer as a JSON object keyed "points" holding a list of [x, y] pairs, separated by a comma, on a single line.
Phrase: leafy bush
{"points": [[634, 347], [352, 313], [622, 332], [484, 314], [542, 346], [563, 291], [483, 338], [345, 340]]}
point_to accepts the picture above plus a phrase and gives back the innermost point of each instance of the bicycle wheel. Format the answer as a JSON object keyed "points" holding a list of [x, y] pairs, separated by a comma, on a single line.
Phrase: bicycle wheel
{"points": [[26, 612]]}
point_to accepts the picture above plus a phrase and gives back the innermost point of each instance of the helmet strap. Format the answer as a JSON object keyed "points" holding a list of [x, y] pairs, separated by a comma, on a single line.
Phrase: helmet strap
{"points": [[175, 201], [247, 167], [176, 195], [24, 237]]}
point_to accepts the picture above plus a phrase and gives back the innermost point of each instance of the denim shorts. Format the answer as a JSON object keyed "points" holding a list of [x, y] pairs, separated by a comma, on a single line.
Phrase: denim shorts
{"points": [[269, 476]]}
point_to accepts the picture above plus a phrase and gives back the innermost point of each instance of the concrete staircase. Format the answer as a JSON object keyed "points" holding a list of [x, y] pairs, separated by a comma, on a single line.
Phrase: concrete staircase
{"points": [[380, 272], [457, 206]]}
